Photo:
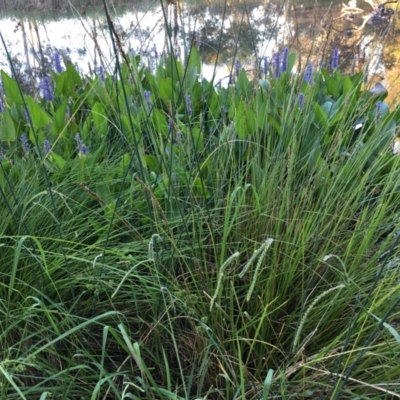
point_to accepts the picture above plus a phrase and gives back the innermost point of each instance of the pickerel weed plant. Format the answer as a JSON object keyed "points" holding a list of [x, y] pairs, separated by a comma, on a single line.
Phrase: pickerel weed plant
{"points": [[163, 237]]}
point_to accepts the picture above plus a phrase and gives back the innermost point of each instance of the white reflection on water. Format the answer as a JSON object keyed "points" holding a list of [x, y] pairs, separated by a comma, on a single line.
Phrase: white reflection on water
{"points": [[142, 32]]}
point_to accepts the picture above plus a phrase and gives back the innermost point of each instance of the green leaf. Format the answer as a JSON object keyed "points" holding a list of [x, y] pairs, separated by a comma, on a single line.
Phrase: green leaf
{"points": [[250, 121], [151, 162], [58, 160], [274, 123], [100, 120], [392, 331], [74, 77], [265, 85], [197, 138], [159, 121], [133, 137], [173, 69], [39, 117], [240, 120], [267, 384], [61, 84], [291, 61], [11, 89], [59, 118], [194, 59], [165, 90], [191, 78], [320, 113], [243, 83], [347, 85], [332, 87], [200, 188], [7, 127], [327, 106]]}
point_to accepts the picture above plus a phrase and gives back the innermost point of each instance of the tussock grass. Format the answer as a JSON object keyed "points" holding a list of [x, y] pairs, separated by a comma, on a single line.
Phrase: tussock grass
{"points": [[247, 248]]}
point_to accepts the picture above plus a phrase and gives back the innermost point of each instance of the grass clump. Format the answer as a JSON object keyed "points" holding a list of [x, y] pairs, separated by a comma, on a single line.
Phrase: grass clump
{"points": [[162, 237]]}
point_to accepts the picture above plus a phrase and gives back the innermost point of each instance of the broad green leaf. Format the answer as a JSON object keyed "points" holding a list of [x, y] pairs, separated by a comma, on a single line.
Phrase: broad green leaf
{"points": [[200, 188], [320, 113], [191, 78], [39, 117], [327, 106], [197, 137], [265, 85], [132, 136], [11, 89], [347, 85], [100, 121], [59, 118], [243, 83], [74, 77], [7, 127], [214, 106], [332, 86], [173, 69], [151, 162], [240, 120], [165, 90], [194, 59], [61, 83], [291, 61], [159, 121], [389, 328], [250, 121], [58, 160]]}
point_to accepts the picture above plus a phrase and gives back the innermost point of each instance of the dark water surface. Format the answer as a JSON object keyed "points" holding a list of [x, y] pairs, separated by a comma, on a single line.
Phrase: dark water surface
{"points": [[367, 33]]}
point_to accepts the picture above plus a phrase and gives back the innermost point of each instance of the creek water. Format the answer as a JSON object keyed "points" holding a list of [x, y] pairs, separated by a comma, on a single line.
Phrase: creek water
{"points": [[367, 34]]}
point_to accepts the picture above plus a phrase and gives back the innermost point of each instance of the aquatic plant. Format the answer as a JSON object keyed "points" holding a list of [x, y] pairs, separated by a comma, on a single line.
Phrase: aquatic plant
{"points": [[335, 59], [47, 89], [235, 241]]}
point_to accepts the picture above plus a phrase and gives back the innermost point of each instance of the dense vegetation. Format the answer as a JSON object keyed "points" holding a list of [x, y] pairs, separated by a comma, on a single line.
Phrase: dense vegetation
{"points": [[166, 238]]}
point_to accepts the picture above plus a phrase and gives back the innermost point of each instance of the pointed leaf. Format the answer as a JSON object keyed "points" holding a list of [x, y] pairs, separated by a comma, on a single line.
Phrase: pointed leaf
{"points": [[11, 90], [7, 127], [100, 119]]}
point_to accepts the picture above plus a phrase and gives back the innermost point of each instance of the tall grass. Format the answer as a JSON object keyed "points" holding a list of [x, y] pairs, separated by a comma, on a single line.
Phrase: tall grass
{"points": [[217, 243]]}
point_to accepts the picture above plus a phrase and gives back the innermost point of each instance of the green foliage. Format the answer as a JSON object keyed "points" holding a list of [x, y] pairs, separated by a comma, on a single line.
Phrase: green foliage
{"points": [[213, 242]]}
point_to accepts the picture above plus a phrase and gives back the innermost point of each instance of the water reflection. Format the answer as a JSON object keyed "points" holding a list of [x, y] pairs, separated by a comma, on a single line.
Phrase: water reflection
{"points": [[362, 30]]}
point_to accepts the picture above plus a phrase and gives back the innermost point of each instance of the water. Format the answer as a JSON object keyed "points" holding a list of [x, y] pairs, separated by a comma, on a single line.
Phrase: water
{"points": [[224, 33]]}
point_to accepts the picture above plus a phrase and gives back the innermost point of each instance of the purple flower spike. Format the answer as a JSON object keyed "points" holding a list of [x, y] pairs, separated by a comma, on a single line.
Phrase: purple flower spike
{"points": [[276, 62], [308, 73], [154, 52], [57, 62], [335, 59], [237, 67], [147, 96], [189, 104], [46, 147], [285, 59], [1, 106], [81, 147], [301, 100], [84, 150], [47, 90], [25, 143], [101, 73], [265, 66]]}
